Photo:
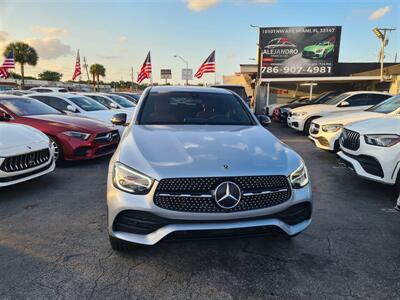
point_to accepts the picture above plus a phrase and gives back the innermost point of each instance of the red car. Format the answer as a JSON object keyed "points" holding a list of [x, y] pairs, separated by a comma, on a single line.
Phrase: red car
{"points": [[73, 138]]}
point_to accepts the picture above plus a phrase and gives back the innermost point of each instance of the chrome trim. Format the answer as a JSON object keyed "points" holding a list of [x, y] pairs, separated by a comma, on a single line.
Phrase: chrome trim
{"points": [[186, 195], [265, 192]]}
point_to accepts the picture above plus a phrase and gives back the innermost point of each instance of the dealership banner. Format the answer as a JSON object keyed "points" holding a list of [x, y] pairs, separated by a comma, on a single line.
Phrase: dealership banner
{"points": [[299, 51]]}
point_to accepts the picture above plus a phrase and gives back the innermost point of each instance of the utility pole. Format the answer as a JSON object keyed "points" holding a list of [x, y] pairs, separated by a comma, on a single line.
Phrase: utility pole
{"points": [[381, 34], [132, 79], [186, 63]]}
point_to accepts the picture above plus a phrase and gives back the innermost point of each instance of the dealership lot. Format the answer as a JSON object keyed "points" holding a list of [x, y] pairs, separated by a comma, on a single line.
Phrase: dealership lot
{"points": [[54, 244]]}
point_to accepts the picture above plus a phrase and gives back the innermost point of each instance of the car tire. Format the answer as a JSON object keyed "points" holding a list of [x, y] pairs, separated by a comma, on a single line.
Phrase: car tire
{"points": [[58, 151], [398, 182], [121, 245], [307, 125]]}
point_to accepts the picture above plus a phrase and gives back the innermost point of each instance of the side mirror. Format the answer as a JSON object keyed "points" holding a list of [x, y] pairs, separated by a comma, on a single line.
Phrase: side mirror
{"points": [[72, 109], [119, 119], [264, 120], [113, 105], [344, 104], [4, 116]]}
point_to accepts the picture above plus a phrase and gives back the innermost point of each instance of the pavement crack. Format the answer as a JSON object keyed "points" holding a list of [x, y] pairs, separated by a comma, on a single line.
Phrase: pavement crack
{"points": [[101, 273]]}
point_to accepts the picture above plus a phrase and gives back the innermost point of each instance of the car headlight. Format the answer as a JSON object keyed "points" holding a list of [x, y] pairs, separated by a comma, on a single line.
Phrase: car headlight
{"points": [[79, 135], [299, 178], [332, 127], [131, 181], [299, 114], [319, 50], [382, 140]]}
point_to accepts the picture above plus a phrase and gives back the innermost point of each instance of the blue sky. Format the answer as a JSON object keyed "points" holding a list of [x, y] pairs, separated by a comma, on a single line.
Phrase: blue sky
{"points": [[118, 34]]}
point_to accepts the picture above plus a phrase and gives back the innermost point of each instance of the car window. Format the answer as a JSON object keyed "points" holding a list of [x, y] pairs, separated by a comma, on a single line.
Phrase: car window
{"points": [[58, 103], [121, 101], [200, 108], [388, 106], [358, 100], [87, 104], [27, 107], [374, 99], [337, 99], [102, 100]]}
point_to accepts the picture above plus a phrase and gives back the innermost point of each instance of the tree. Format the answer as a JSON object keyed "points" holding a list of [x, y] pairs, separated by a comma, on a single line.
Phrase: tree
{"points": [[97, 70], [23, 54], [50, 76]]}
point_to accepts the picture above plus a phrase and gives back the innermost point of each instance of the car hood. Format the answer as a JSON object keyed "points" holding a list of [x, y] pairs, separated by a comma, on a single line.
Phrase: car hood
{"points": [[315, 108], [77, 123], [13, 136], [383, 125], [346, 118], [202, 151], [314, 47]]}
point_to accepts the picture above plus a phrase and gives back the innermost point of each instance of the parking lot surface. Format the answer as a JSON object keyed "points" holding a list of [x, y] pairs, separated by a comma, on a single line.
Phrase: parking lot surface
{"points": [[54, 244]]}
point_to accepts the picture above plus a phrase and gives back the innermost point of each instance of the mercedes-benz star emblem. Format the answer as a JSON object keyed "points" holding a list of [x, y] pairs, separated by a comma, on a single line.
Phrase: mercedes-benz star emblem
{"points": [[227, 195]]}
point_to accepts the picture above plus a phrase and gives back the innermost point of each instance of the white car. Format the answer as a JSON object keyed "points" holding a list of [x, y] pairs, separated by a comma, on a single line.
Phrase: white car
{"points": [[325, 132], [48, 89], [112, 101], [79, 105], [371, 148], [25, 153], [300, 118]]}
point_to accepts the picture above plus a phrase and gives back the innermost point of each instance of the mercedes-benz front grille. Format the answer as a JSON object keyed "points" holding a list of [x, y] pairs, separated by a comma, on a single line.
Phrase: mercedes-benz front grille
{"points": [[107, 137], [25, 161], [197, 194], [350, 139]]}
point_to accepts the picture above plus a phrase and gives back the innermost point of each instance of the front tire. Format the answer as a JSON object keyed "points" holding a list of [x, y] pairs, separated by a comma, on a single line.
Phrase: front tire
{"points": [[307, 126], [58, 151], [121, 245]]}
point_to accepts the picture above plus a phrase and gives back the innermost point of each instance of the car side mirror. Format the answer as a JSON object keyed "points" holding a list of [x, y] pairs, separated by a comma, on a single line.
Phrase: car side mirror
{"points": [[344, 104], [113, 105], [72, 109], [119, 119], [264, 120], [4, 116]]}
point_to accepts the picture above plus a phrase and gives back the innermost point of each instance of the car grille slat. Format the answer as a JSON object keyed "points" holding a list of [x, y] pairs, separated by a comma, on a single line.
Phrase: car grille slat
{"points": [[350, 139], [107, 137], [196, 194], [25, 161]]}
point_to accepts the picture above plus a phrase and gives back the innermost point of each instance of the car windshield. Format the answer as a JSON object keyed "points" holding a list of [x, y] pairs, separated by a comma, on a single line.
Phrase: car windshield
{"points": [[387, 106], [337, 99], [28, 107], [121, 101], [195, 108], [87, 104], [237, 89]]}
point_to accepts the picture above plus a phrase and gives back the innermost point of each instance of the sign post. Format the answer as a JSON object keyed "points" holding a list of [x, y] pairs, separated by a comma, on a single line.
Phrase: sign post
{"points": [[166, 74], [187, 74]]}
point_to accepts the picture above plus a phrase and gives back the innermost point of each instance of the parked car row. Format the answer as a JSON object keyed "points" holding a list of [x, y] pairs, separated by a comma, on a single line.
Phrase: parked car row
{"points": [[362, 127], [38, 130]]}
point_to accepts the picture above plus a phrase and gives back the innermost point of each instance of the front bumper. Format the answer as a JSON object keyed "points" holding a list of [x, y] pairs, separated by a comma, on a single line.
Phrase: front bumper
{"points": [[324, 140], [296, 123], [120, 202]]}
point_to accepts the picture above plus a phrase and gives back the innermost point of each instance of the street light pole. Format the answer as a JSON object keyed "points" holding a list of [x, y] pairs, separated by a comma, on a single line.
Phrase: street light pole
{"points": [[259, 77], [382, 36], [186, 63]]}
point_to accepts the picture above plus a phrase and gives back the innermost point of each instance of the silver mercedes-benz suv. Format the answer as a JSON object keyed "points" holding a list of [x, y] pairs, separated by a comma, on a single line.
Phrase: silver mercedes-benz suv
{"points": [[195, 162]]}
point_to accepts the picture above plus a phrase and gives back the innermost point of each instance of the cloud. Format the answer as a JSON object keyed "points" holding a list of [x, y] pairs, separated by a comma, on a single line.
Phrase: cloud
{"points": [[108, 56], [379, 13], [3, 36], [199, 5], [49, 48], [50, 31], [122, 39]]}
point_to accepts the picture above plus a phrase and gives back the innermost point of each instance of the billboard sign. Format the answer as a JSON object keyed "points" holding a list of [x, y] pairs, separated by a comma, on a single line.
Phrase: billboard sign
{"points": [[187, 74], [299, 51], [166, 74]]}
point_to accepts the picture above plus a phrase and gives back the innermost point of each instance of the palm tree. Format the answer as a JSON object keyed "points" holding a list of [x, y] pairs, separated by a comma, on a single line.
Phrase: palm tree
{"points": [[97, 70], [23, 54]]}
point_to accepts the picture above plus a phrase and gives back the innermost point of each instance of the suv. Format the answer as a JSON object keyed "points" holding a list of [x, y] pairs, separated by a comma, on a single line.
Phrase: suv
{"points": [[301, 118], [204, 166], [371, 148]]}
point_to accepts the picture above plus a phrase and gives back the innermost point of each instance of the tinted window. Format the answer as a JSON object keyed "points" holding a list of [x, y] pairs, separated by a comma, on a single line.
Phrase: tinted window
{"points": [[337, 99], [87, 104], [27, 107], [359, 100], [376, 99], [102, 100], [388, 106], [237, 89], [194, 108], [53, 102], [121, 101]]}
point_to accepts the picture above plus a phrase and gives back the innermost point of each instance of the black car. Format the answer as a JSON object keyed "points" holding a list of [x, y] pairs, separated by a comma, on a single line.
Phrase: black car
{"points": [[281, 113]]}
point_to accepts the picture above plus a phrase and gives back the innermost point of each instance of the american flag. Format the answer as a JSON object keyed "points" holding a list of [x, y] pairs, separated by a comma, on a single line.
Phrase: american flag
{"points": [[208, 66], [8, 63], [145, 71], [77, 71]]}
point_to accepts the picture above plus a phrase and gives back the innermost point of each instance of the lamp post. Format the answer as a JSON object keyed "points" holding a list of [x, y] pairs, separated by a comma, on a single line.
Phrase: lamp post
{"points": [[381, 34], [186, 63]]}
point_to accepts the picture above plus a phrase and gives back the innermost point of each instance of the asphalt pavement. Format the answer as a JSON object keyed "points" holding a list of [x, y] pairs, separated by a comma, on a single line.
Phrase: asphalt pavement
{"points": [[54, 244]]}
